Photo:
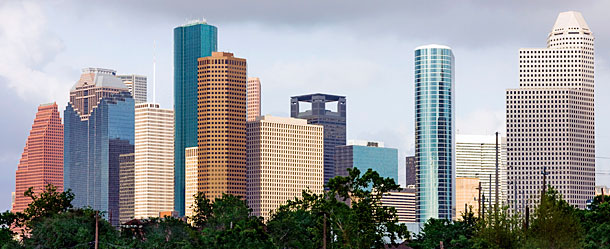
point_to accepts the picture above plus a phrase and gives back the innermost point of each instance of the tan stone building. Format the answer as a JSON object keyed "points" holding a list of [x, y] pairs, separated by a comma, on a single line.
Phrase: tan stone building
{"points": [[221, 111], [190, 179], [154, 160], [285, 156], [466, 195], [550, 118], [253, 90]]}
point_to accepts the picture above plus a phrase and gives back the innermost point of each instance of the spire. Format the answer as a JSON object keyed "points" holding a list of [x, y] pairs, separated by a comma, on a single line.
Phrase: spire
{"points": [[570, 19]]}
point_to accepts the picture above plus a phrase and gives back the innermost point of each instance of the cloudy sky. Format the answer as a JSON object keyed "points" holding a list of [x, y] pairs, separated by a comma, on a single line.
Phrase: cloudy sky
{"points": [[361, 49]]}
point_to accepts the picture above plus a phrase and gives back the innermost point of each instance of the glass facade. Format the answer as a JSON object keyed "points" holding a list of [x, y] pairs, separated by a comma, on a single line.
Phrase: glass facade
{"points": [[382, 160], [91, 152], [334, 123], [191, 41], [434, 132]]}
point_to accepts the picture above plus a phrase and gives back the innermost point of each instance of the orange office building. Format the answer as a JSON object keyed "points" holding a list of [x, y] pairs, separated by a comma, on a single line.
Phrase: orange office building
{"points": [[221, 125], [42, 161]]}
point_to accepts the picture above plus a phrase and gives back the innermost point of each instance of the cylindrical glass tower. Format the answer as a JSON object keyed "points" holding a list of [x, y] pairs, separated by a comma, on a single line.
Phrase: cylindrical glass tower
{"points": [[434, 132]]}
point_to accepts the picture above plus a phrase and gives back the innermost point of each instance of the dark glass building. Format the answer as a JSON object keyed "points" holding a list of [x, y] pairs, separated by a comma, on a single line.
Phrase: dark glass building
{"points": [[95, 137], [191, 41], [410, 168], [334, 123]]}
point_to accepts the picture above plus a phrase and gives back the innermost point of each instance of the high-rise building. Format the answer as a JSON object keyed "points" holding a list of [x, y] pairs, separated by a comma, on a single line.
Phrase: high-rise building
{"points": [[222, 125], [434, 132], [410, 168], [99, 126], [154, 160], [404, 203], [285, 157], [366, 155], [475, 157], [253, 98], [190, 180], [334, 122], [127, 187], [192, 41], [136, 85], [466, 194], [42, 161], [550, 118]]}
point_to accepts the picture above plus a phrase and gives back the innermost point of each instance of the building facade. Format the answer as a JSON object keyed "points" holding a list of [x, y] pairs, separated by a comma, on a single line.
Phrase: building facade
{"points": [[434, 132], [253, 92], [334, 122], [192, 41], [466, 195], [410, 168], [127, 187], [550, 118], [137, 87], [475, 157], [222, 125], [404, 203], [154, 160], [190, 191], [366, 155], [285, 157], [42, 160], [98, 128]]}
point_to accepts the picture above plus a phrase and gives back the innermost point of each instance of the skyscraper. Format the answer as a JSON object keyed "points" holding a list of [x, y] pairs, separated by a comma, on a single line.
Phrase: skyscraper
{"points": [[334, 123], [434, 132], [475, 157], [285, 157], [192, 41], [253, 90], [410, 168], [137, 86], [190, 180], [154, 160], [42, 160], [550, 118], [99, 127], [366, 155], [222, 125], [126, 187]]}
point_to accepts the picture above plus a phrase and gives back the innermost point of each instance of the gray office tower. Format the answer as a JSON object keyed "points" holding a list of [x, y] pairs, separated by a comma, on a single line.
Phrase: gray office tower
{"points": [[334, 123], [411, 171]]}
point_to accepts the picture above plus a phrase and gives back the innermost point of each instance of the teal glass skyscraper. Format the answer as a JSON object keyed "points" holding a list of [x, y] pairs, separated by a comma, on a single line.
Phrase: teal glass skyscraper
{"points": [[191, 41], [434, 132]]}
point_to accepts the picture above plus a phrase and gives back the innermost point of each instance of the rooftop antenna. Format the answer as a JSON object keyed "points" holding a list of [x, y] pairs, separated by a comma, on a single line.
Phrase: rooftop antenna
{"points": [[154, 72]]}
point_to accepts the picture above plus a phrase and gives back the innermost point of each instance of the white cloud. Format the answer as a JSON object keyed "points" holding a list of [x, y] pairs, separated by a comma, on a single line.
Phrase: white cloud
{"points": [[482, 122], [27, 48]]}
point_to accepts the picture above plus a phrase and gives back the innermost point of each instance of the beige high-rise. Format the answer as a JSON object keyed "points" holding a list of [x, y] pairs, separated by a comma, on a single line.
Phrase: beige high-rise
{"points": [[253, 98], [154, 160], [551, 119], [284, 157], [190, 179], [466, 194]]}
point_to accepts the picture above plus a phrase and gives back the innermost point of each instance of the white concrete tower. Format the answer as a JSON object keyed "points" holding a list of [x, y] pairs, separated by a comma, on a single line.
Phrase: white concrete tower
{"points": [[551, 119]]}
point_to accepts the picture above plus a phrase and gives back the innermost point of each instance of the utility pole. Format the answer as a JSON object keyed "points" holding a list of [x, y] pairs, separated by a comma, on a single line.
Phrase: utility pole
{"points": [[96, 228], [324, 231], [490, 207], [483, 206], [479, 200], [544, 180], [497, 175]]}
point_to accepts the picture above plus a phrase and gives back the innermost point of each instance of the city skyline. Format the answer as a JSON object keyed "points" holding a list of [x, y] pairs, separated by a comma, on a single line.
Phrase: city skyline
{"points": [[275, 93]]}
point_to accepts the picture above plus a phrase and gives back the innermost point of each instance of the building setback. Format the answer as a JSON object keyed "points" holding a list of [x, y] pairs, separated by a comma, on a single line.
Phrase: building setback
{"points": [[190, 180], [285, 157], [127, 187], [253, 90], [98, 128], [137, 86], [154, 160], [404, 203], [366, 155], [334, 123], [192, 41], [434, 132], [222, 125], [42, 160], [550, 118]]}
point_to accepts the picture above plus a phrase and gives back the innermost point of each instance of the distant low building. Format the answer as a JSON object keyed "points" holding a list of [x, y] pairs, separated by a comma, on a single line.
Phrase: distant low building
{"points": [[404, 203]]}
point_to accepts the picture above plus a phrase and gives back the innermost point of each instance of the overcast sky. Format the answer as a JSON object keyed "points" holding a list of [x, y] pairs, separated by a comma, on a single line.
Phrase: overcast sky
{"points": [[361, 49]]}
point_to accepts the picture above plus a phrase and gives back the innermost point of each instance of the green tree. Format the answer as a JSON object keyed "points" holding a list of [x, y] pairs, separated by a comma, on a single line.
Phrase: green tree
{"points": [[45, 204], [202, 210], [452, 234], [499, 229], [555, 224], [596, 223], [292, 227], [7, 219], [166, 232]]}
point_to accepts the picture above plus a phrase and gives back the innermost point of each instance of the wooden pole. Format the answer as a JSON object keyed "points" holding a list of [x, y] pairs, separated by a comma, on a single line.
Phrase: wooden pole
{"points": [[97, 230]]}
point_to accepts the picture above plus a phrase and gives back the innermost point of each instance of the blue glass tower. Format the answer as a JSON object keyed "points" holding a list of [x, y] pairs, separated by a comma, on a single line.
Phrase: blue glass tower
{"points": [[191, 41], [94, 140], [382, 160], [434, 132]]}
